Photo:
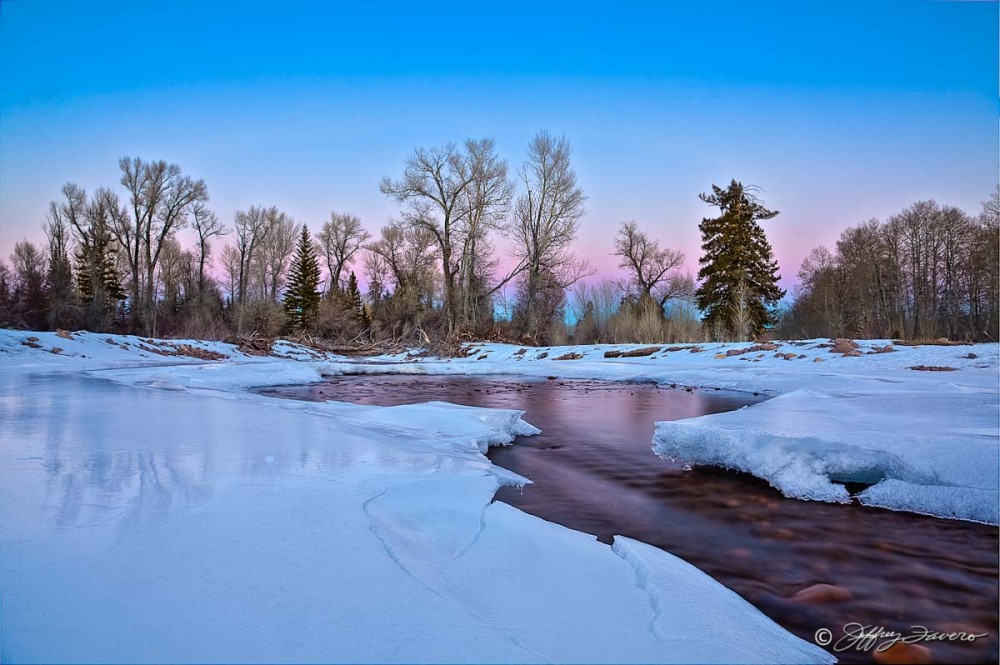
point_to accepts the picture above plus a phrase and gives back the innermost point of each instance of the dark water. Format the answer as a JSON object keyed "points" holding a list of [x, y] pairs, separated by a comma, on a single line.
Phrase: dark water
{"points": [[593, 470]]}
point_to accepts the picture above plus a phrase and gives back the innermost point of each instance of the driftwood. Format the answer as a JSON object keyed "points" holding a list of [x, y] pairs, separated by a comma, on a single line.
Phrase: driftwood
{"points": [[355, 348], [252, 345]]}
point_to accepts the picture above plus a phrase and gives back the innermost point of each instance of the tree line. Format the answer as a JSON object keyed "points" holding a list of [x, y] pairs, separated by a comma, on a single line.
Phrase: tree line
{"points": [[113, 262], [929, 271]]}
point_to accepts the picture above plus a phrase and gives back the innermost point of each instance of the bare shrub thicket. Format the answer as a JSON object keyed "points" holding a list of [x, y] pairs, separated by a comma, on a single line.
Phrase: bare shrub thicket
{"points": [[606, 312]]}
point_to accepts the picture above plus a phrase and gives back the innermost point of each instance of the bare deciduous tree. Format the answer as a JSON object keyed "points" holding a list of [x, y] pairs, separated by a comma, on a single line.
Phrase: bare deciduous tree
{"points": [[454, 195], [206, 225], [483, 208], [251, 227], [159, 195], [28, 289], [403, 256], [274, 253], [821, 286], [652, 270], [231, 268], [925, 273], [62, 309], [340, 240], [408, 255], [546, 218]]}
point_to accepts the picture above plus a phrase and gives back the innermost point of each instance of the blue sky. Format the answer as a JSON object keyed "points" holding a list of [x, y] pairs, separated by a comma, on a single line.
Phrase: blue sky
{"points": [[839, 111]]}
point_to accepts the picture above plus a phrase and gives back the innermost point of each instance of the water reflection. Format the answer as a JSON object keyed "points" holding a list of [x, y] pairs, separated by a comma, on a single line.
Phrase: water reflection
{"points": [[70, 454]]}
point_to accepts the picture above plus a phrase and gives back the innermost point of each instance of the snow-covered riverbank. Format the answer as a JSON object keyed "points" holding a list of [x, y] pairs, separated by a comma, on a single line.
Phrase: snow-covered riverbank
{"points": [[163, 513], [154, 509]]}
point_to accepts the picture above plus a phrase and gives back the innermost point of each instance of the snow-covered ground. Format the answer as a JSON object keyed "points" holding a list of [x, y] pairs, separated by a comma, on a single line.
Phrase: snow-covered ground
{"points": [[153, 509]]}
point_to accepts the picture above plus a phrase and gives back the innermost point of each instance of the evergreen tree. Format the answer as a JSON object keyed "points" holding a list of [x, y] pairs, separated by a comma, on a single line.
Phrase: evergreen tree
{"points": [[97, 278], [739, 276], [354, 301], [302, 294]]}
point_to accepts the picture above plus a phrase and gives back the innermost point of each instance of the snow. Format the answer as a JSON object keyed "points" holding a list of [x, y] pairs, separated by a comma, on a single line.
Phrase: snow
{"points": [[916, 448], [153, 508]]}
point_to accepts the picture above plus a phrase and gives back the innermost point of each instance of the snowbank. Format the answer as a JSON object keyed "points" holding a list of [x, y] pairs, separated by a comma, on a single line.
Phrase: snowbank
{"points": [[928, 452], [38, 352]]}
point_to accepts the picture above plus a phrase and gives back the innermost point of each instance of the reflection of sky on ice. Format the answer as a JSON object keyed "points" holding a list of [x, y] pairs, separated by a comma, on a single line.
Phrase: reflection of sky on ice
{"points": [[118, 457]]}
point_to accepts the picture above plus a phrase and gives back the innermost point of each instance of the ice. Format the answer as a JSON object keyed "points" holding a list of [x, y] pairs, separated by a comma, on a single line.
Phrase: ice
{"points": [[928, 452], [166, 513], [682, 606]]}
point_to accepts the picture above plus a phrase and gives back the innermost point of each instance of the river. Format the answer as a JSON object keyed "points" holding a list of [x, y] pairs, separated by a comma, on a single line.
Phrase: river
{"points": [[593, 470]]}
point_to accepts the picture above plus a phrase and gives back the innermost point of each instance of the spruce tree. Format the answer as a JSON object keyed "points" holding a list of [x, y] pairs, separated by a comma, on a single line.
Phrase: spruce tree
{"points": [[739, 276], [302, 294], [96, 277], [354, 301]]}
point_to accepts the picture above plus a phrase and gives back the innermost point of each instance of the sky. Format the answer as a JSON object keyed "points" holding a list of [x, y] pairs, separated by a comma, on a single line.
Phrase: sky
{"points": [[839, 111]]}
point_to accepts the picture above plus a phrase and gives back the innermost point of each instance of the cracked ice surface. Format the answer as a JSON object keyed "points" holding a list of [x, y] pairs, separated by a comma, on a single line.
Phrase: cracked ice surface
{"points": [[163, 514]]}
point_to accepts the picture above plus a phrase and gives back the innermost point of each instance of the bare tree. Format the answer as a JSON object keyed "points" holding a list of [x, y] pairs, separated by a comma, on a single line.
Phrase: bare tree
{"points": [[174, 261], [377, 275], [408, 255], [593, 306], [73, 210], [742, 316], [821, 291], [159, 196], [653, 271], [483, 208], [444, 188], [62, 310], [270, 264], [983, 281], [206, 225], [546, 218], [403, 256], [340, 240], [927, 272], [28, 266], [231, 268], [251, 227], [919, 230]]}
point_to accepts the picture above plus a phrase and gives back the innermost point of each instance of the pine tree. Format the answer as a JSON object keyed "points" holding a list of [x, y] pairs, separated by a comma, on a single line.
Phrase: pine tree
{"points": [[96, 277], [739, 276], [354, 301], [302, 294]]}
